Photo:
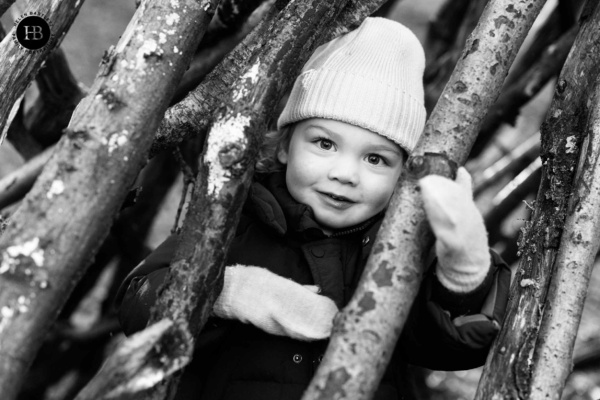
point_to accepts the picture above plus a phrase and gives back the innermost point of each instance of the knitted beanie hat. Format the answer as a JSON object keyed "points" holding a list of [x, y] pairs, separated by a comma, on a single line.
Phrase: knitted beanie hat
{"points": [[371, 77]]}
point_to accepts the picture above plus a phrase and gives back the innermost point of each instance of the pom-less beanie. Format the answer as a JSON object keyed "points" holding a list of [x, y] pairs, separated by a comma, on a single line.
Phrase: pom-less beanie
{"points": [[371, 77]]}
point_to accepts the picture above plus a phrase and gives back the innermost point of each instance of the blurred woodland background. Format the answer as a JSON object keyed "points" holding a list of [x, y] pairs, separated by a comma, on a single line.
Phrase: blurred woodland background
{"points": [[505, 167]]}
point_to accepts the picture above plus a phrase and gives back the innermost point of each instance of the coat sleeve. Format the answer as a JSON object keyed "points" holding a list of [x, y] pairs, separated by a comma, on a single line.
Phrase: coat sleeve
{"points": [[138, 292], [450, 331]]}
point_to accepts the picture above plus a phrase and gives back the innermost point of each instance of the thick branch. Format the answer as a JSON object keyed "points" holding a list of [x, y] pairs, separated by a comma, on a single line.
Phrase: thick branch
{"points": [[68, 212], [366, 331], [563, 307], [562, 137]]}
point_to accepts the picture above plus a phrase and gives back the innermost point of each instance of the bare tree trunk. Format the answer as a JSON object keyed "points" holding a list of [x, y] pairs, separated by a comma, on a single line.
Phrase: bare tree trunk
{"points": [[366, 331], [553, 356], [562, 137], [49, 243], [22, 65]]}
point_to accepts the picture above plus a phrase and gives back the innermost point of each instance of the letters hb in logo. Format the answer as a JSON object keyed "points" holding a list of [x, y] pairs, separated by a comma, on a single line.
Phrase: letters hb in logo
{"points": [[33, 32]]}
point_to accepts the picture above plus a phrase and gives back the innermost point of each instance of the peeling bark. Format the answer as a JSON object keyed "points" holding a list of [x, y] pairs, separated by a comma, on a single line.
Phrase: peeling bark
{"points": [[363, 339], [20, 66], [562, 138], [553, 355], [49, 243]]}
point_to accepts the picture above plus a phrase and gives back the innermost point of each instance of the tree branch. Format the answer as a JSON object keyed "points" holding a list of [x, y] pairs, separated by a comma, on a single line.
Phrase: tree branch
{"points": [[562, 138], [22, 65], [93, 167], [552, 358]]}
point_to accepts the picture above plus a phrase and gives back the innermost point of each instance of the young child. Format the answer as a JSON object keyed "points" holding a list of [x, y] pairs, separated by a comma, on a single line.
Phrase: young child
{"points": [[325, 179]]}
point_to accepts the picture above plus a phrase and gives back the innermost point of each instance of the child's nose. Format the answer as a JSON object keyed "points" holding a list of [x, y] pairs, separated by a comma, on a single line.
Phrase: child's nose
{"points": [[344, 170]]}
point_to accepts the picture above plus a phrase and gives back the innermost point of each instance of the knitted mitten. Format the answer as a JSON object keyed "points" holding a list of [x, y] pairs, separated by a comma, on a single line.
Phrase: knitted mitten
{"points": [[274, 304], [461, 238]]}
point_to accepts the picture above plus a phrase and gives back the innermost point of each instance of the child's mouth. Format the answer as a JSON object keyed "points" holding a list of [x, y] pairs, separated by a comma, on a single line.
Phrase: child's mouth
{"points": [[338, 198], [336, 201]]}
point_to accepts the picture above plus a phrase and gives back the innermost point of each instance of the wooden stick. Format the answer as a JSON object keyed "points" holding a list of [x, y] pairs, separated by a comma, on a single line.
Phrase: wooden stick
{"points": [[56, 231]]}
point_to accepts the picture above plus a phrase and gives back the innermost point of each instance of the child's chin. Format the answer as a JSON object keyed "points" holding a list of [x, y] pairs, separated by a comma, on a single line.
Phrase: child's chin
{"points": [[331, 225]]}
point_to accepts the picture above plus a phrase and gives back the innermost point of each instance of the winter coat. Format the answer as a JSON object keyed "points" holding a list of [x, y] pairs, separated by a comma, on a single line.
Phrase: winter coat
{"points": [[236, 361]]}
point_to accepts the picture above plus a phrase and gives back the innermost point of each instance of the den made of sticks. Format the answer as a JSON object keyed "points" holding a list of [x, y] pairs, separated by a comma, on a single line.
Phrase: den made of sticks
{"points": [[139, 119]]}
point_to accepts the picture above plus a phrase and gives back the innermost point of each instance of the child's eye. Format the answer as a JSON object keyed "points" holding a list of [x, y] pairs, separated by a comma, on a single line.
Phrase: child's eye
{"points": [[376, 159], [325, 144]]}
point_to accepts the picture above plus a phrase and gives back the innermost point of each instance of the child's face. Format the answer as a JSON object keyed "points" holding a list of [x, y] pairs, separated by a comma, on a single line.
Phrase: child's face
{"points": [[345, 173]]}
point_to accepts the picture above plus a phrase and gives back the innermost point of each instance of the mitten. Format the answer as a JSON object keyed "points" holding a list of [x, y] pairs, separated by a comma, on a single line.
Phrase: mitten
{"points": [[274, 304], [461, 238]]}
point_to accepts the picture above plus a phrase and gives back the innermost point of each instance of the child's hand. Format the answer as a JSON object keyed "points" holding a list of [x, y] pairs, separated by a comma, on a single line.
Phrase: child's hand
{"points": [[461, 245], [274, 304]]}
